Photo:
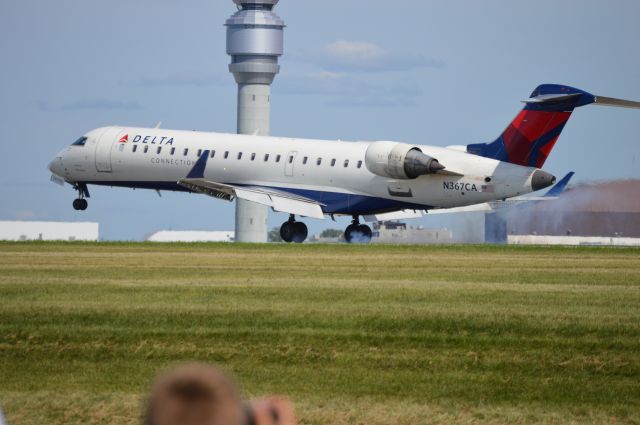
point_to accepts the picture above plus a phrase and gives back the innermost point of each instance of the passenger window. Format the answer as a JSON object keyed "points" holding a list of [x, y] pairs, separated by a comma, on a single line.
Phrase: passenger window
{"points": [[146, 149], [121, 147], [199, 153], [173, 150], [266, 157], [360, 164], [186, 151], [135, 148], [159, 149], [319, 161], [333, 162], [226, 154], [213, 153], [290, 159], [277, 158], [239, 155], [346, 163], [253, 156], [304, 160]]}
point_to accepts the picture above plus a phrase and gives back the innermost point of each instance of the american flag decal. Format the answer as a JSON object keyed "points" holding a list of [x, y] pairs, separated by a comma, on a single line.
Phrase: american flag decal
{"points": [[487, 188]]}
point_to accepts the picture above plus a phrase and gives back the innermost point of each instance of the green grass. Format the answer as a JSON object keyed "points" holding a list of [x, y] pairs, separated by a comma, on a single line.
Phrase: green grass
{"points": [[353, 334]]}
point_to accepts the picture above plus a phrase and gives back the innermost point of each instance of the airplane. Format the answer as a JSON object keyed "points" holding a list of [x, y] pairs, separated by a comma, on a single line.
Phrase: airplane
{"points": [[314, 178], [499, 205]]}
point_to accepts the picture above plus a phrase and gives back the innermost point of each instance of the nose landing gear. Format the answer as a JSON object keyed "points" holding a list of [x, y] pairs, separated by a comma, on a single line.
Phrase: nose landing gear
{"points": [[81, 204], [356, 232], [293, 231]]}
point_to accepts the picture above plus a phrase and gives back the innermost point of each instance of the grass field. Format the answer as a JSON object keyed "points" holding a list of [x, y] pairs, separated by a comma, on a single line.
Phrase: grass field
{"points": [[353, 334]]}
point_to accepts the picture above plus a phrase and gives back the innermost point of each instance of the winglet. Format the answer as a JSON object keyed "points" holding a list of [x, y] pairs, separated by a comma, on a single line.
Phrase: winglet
{"points": [[559, 187], [197, 172]]}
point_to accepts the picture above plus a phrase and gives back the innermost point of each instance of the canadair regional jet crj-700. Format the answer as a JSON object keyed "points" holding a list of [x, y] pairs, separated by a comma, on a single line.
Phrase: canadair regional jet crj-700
{"points": [[314, 178]]}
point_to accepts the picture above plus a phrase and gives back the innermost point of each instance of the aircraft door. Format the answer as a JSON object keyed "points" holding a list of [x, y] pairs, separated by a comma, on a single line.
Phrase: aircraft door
{"points": [[290, 161], [104, 147]]}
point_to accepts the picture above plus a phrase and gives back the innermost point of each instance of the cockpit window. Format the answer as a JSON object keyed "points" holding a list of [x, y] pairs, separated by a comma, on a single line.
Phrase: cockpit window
{"points": [[80, 142]]}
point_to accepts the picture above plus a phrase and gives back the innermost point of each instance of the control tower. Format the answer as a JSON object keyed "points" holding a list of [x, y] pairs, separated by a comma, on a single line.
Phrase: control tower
{"points": [[254, 42]]}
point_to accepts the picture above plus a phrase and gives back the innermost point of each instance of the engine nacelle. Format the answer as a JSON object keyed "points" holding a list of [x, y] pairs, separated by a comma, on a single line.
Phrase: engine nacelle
{"points": [[399, 161]]}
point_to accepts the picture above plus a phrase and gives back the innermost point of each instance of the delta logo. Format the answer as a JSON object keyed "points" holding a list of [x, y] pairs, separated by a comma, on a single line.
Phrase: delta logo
{"points": [[124, 139], [153, 140]]}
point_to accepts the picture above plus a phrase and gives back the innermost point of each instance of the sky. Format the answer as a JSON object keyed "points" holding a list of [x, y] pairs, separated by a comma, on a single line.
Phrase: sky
{"points": [[416, 71]]}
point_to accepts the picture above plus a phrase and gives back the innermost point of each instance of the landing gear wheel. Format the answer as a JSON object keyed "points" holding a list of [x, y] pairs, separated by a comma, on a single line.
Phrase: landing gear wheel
{"points": [[356, 232], [366, 233], [287, 231], [80, 204], [349, 231], [300, 232], [293, 231]]}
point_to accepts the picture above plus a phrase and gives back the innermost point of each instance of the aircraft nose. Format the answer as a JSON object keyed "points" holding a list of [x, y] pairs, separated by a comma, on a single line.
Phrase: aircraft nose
{"points": [[55, 166], [541, 179]]}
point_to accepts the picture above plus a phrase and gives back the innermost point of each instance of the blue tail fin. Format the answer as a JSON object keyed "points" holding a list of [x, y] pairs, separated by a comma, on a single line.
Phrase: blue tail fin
{"points": [[529, 138]]}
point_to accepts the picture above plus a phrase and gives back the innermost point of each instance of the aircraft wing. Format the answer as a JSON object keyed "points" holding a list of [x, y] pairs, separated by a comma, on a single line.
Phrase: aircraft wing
{"points": [[276, 199]]}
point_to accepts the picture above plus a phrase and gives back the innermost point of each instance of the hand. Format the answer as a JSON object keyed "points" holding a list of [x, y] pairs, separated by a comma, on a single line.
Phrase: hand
{"points": [[273, 411]]}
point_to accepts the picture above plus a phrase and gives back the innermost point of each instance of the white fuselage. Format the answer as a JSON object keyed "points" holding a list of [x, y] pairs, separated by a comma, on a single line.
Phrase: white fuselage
{"points": [[333, 173]]}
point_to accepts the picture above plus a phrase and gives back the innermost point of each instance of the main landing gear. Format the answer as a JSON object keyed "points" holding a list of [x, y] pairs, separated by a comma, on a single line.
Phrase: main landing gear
{"points": [[81, 204], [293, 231], [357, 233]]}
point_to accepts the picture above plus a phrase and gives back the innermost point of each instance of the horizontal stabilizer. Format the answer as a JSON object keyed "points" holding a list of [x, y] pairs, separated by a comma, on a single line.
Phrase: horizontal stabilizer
{"points": [[612, 101], [549, 98]]}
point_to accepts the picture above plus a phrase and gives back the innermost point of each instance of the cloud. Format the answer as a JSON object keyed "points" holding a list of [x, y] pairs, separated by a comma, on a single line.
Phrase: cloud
{"points": [[186, 78], [346, 90], [344, 55], [101, 104]]}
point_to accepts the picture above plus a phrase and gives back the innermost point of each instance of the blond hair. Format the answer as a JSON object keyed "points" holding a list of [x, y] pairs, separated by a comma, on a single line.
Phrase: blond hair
{"points": [[194, 394]]}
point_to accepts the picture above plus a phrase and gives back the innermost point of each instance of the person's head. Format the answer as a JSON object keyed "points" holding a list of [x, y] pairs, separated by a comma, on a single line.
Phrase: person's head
{"points": [[195, 394]]}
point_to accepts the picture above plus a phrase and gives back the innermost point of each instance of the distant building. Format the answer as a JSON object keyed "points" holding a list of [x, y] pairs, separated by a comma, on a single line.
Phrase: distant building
{"points": [[608, 209], [572, 240], [191, 236], [397, 232], [48, 231]]}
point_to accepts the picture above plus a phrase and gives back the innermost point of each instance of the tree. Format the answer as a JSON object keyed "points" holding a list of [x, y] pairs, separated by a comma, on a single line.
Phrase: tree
{"points": [[331, 233]]}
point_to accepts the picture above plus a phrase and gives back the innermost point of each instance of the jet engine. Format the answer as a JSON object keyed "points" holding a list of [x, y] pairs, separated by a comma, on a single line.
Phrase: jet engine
{"points": [[399, 161]]}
